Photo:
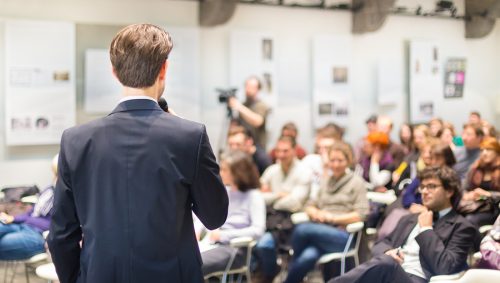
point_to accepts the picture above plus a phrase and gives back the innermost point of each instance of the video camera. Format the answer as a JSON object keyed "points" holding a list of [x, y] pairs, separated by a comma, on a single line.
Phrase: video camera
{"points": [[226, 94]]}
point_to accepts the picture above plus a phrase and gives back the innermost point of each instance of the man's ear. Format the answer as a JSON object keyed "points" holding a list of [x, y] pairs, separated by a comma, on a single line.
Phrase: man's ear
{"points": [[163, 70]]}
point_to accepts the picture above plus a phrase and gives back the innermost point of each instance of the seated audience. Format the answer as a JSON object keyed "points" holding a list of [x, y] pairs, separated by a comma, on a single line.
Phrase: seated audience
{"points": [[371, 126], [434, 242], [377, 163], [246, 214], [317, 162], [490, 248], [435, 127], [466, 155], [433, 154], [289, 129], [475, 117], [447, 136], [384, 125], [285, 187], [239, 138], [341, 201], [488, 129], [479, 203], [406, 137], [21, 236]]}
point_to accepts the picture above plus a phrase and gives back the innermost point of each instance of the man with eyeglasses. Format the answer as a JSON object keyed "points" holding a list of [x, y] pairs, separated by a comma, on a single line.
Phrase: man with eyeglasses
{"points": [[434, 242]]}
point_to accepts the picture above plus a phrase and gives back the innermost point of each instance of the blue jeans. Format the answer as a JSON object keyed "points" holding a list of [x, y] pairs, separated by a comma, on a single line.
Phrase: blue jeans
{"points": [[309, 242], [266, 255], [19, 241]]}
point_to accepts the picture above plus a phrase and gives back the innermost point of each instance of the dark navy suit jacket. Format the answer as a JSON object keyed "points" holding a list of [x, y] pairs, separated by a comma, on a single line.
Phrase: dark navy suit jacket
{"points": [[127, 184]]}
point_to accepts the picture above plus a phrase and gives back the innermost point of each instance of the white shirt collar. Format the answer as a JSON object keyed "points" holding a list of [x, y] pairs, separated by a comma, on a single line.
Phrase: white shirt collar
{"points": [[127, 98]]}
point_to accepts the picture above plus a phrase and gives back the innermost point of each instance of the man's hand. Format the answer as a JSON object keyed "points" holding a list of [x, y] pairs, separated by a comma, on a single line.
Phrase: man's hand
{"points": [[425, 218], [417, 208], [6, 218], [234, 103], [282, 194], [396, 254], [265, 188]]}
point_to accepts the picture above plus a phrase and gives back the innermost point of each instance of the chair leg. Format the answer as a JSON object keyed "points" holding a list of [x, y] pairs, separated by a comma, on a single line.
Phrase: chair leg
{"points": [[26, 273]]}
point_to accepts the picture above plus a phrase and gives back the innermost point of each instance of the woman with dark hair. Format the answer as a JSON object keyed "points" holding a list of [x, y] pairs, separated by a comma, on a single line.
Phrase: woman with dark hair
{"points": [[479, 203], [406, 137], [341, 201], [246, 214]]}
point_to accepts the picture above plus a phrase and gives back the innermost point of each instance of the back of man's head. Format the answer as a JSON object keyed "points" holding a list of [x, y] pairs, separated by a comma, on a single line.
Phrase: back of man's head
{"points": [[137, 54]]}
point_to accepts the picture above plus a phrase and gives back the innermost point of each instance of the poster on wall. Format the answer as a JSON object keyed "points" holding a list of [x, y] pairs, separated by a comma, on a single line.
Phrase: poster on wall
{"points": [[454, 78], [425, 80], [253, 53], [103, 91], [40, 98], [331, 80]]}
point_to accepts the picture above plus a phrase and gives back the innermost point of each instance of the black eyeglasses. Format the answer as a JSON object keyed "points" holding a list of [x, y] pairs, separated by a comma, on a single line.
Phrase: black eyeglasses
{"points": [[429, 187]]}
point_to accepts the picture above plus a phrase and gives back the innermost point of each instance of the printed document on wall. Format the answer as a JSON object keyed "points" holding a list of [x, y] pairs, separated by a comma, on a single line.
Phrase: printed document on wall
{"points": [[40, 97]]}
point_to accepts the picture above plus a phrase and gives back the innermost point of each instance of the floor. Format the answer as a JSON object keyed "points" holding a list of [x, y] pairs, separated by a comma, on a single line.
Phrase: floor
{"points": [[20, 276]]}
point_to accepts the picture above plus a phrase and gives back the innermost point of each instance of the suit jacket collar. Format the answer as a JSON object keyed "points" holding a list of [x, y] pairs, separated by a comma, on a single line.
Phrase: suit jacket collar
{"points": [[136, 104]]}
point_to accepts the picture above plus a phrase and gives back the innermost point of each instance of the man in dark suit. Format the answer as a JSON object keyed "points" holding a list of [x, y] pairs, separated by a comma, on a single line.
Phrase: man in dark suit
{"points": [[435, 242], [129, 181]]}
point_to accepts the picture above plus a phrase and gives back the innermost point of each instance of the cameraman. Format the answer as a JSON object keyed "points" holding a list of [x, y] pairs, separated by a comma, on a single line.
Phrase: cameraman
{"points": [[253, 112]]}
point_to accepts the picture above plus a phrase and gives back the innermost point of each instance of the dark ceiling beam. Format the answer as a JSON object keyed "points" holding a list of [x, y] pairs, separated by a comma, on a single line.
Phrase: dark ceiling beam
{"points": [[480, 17], [369, 15], [216, 12]]}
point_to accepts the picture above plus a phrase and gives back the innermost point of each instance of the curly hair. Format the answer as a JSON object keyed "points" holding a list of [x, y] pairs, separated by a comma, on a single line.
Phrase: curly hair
{"points": [[448, 178]]}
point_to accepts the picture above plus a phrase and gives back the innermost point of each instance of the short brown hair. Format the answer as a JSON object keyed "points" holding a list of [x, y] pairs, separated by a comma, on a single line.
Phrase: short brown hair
{"points": [[289, 140], [234, 130], [444, 151], [243, 169], [448, 178], [137, 53], [478, 130]]}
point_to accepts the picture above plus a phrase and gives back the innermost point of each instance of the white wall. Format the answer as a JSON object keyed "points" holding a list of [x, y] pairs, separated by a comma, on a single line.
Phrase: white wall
{"points": [[293, 29]]}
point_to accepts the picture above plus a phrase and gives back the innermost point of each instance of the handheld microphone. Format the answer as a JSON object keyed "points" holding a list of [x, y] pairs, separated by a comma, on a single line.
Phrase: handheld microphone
{"points": [[163, 104]]}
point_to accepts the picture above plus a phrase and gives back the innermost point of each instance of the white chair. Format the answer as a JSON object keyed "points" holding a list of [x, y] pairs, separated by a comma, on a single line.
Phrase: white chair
{"points": [[11, 266], [47, 271], [354, 230], [469, 276], [246, 243]]}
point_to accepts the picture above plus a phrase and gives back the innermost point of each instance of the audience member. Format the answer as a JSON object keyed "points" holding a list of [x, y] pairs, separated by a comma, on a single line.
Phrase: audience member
{"points": [[240, 139], [377, 163], [447, 136], [384, 125], [285, 186], [435, 127], [406, 137], [253, 112], [474, 117], [21, 236], [246, 214], [434, 242], [290, 129], [472, 136], [488, 129], [490, 248], [342, 201], [479, 203], [371, 126]]}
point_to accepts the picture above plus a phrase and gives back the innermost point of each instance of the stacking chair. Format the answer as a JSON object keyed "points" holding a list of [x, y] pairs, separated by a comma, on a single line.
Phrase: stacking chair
{"points": [[355, 230], [246, 243]]}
